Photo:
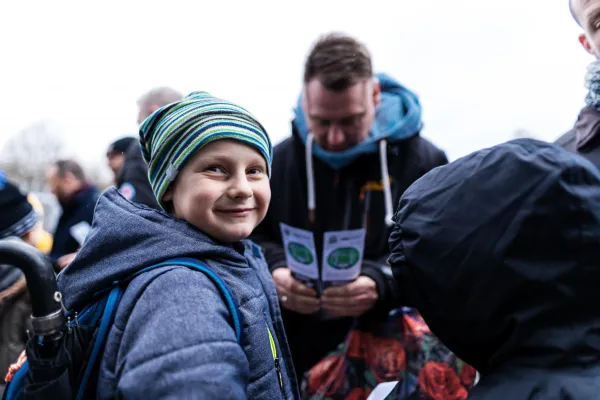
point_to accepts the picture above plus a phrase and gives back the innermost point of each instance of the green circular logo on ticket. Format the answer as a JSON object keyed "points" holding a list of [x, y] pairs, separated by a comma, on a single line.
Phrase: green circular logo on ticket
{"points": [[343, 258], [300, 253]]}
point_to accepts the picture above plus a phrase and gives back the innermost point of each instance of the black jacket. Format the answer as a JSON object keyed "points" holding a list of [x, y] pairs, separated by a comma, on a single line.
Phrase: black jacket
{"points": [[350, 198], [499, 252], [584, 138], [132, 181], [79, 209]]}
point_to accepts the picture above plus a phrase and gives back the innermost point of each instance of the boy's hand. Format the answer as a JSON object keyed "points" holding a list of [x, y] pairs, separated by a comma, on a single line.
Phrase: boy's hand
{"points": [[293, 294], [351, 300]]}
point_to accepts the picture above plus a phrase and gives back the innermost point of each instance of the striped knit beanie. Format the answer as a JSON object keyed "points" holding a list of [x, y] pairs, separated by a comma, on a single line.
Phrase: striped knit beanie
{"points": [[174, 133]]}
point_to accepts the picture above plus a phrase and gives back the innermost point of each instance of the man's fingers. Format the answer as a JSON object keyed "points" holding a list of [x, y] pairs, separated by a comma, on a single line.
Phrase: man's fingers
{"points": [[298, 288], [304, 301], [301, 304], [339, 291], [355, 301]]}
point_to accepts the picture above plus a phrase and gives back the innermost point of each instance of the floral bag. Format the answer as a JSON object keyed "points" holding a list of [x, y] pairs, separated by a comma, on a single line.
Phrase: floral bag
{"points": [[401, 349]]}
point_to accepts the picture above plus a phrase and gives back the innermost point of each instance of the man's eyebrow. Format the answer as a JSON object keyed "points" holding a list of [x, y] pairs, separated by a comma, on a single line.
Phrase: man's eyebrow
{"points": [[358, 114]]}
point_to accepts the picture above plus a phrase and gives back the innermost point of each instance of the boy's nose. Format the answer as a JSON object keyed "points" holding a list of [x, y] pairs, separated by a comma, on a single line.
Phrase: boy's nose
{"points": [[240, 188]]}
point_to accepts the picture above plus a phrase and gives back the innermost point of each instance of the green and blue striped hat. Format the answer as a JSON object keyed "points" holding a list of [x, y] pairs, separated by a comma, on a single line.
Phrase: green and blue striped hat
{"points": [[174, 133]]}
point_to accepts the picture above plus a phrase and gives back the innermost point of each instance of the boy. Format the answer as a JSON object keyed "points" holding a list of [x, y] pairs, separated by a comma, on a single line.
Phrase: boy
{"points": [[209, 165], [499, 252]]}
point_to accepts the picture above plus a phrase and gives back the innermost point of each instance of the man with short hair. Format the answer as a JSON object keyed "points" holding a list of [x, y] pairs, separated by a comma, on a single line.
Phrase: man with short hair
{"points": [[77, 197], [131, 178], [155, 99], [355, 148], [584, 138]]}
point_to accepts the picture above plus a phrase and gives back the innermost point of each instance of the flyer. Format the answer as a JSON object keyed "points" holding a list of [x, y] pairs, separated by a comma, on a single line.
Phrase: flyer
{"points": [[300, 251], [342, 255]]}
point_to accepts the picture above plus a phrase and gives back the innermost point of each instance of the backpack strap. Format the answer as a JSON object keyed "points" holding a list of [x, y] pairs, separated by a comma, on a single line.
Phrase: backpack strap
{"points": [[116, 294]]}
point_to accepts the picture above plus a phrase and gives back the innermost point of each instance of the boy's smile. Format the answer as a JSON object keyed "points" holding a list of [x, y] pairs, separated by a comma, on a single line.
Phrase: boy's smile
{"points": [[223, 190]]}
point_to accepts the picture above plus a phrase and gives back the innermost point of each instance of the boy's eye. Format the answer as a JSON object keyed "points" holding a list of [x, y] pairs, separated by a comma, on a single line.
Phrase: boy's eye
{"points": [[255, 171], [214, 168]]}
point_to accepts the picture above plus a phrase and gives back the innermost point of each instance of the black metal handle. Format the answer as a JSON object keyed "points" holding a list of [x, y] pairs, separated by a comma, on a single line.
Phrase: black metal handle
{"points": [[47, 315]]}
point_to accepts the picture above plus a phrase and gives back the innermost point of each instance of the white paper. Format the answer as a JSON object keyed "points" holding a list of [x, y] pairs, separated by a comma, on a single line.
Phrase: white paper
{"points": [[342, 255], [79, 231], [382, 390], [300, 251]]}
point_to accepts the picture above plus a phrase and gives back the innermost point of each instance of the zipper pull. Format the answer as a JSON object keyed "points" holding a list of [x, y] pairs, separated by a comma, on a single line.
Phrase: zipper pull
{"points": [[278, 369]]}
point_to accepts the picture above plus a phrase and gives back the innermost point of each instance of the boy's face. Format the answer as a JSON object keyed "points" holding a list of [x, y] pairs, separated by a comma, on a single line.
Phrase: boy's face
{"points": [[223, 190]]}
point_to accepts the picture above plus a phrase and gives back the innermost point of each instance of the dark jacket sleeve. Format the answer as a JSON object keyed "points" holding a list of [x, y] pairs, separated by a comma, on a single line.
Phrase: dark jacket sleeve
{"points": [[142, 191], [170, 350], [381, 273], [133, 181], [379, 270]]}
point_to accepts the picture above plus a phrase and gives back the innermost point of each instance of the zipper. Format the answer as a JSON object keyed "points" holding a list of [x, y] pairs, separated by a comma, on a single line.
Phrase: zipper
{"points": [[275, 358]]}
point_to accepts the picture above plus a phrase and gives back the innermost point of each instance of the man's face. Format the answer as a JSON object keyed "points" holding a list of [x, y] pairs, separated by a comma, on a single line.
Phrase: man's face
{"points": [[55, 183], [343, 119], [588, 15], [63, 187], [115, 161]]}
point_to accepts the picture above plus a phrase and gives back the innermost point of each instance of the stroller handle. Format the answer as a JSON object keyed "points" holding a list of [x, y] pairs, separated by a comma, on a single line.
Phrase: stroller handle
{"points": [[47, 314]]}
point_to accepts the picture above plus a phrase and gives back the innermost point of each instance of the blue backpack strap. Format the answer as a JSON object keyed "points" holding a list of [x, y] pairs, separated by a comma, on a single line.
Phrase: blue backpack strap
{"points": [[105, 324], [14, 389]]}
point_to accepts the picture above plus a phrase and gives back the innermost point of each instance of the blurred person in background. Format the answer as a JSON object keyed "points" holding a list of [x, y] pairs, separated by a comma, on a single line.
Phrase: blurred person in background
{"points": [[124, 155], [77, 197], [18, 219]]}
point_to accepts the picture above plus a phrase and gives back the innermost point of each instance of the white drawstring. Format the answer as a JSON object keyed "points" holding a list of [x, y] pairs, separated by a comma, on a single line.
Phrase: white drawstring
{"points": [[310, 177], [387, 191]]}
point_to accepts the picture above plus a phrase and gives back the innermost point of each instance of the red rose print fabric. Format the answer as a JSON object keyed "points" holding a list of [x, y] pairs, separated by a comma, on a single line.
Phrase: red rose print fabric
{"points": [[403, 350]]}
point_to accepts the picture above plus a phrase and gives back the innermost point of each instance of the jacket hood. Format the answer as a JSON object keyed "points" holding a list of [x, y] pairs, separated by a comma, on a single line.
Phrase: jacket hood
{"points": [[398, 117], [499, 252], [126, 237]]}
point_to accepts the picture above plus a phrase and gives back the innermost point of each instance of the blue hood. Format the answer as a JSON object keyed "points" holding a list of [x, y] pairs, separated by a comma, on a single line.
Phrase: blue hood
{"points": [[126, 237], [398, 117]]}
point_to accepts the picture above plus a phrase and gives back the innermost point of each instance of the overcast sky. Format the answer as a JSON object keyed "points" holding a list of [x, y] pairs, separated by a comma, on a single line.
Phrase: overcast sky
{"points": [[482, 69]]}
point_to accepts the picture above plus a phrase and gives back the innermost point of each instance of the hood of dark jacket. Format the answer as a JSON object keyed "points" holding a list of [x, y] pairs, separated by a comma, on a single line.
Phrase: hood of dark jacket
{"points": [[499, 252], [126, 237]]}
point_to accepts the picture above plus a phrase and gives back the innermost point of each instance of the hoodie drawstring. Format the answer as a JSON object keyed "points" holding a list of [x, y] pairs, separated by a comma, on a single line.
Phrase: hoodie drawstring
{"points": [[310, 177], [385, 178]]}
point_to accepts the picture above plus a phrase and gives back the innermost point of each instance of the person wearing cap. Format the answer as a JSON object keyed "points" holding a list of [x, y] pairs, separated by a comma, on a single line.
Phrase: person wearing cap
{"points": [[355, 147], [499, 253], [18, 219], [209, 163], [130, 171], [77, 198]]}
